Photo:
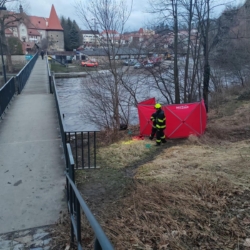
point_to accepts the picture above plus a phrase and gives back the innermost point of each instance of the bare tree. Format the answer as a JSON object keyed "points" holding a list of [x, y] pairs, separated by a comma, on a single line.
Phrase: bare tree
{"points": [[114, 90], [210, 36], [6, 20], [189, 5], [168, 10], [233, 54]]}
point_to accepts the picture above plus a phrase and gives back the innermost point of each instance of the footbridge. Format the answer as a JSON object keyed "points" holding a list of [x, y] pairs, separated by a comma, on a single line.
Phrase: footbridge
{"points": [[38, 158]]}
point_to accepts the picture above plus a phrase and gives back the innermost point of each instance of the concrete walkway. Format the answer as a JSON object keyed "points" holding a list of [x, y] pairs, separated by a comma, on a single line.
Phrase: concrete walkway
{"points": [[31, 158]]}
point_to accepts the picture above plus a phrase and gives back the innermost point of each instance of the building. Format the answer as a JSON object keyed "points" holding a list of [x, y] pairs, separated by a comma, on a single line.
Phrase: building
{"points": [[110, 36], [91, 38], [32, 30]]}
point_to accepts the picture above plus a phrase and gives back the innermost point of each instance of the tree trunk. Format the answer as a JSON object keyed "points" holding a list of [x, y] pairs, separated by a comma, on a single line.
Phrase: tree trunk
{"points": [[206, 84], [206, 76], [188, 53], [6, 49], [116, 103], [176, 71]]}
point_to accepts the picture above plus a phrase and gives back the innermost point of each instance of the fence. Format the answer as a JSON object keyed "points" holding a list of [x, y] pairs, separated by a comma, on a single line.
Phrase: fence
{"points": [[87, 149], [6, 94], [23, 76], [83, 143], [76, 204], [49, 76]]}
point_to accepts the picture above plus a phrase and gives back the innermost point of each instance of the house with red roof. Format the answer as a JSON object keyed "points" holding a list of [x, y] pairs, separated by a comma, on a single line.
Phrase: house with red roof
{"points": [[32, 30], [110, 35]]}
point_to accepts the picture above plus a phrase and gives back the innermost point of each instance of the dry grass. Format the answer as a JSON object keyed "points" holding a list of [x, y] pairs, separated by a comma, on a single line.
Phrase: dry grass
{"points": [[189, 194]]}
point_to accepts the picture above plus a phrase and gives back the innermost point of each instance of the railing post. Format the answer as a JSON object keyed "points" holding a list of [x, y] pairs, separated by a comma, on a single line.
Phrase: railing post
{"points": [[82, 151], [71, 212], [78, 220], [94, 149], [50, 87], [97, 245], [76, 161], [18, 85], [88, 150]]}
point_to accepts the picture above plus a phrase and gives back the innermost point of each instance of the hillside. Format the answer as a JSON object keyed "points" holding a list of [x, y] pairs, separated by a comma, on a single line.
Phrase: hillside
{"points": [[192, 193]]}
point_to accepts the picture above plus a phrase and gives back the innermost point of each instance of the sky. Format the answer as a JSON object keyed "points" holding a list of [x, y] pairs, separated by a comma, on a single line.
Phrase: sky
{"points": [[138, 18]]}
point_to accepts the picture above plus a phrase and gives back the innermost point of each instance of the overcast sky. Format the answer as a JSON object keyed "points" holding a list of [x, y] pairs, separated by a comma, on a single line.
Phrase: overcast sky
{"points": [[139, 18]]}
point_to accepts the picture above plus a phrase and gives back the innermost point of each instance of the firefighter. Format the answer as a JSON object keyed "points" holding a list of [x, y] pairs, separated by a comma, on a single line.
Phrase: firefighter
{"points": [[154, 130], [160, 124]]}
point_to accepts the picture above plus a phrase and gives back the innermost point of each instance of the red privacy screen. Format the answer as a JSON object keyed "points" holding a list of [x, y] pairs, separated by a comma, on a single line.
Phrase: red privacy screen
{"points": [[182, 120]]}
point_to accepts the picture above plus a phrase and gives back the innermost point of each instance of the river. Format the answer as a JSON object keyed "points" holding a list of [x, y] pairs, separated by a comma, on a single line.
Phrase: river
{"points": [[72, 99]]}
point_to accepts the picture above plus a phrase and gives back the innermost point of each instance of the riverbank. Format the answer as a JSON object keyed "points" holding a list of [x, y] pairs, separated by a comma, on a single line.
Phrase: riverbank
{"points": [[186, 194], [71, 75]]}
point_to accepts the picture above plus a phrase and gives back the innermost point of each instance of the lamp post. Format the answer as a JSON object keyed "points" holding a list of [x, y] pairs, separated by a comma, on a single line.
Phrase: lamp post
{"points": [[2, 8]]}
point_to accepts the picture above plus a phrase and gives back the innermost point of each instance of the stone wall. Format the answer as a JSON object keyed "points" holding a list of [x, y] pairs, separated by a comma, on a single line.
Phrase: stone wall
{"points": [[16, 59], [56, 38]]}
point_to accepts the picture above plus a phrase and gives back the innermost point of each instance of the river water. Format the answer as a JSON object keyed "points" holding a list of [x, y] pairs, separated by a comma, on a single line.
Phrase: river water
{"points": [[72, 99]]}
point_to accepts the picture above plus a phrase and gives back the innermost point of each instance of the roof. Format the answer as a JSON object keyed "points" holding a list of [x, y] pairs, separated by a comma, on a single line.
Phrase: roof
{"points": [[114, 32], [140, 30], [12, 19], [38, 22], [54, 22], [91, 32], [28, 45], [33, 32], [8, 32]]}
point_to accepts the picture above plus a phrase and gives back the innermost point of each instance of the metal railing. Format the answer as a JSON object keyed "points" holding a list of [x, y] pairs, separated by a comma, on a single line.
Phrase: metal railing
{"points": [[76, 204], [57, 61], [6, 94], [83, 142], [49, 76], [23, 76]]}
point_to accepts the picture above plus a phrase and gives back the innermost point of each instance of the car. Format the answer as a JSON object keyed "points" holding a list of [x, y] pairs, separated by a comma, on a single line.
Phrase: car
{"points": [[149, 65], [138, 65], [89, 63], [130, 62]]}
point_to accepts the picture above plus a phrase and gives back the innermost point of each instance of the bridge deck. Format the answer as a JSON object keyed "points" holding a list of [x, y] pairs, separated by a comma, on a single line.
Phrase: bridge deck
{"points": [[31, 158]]}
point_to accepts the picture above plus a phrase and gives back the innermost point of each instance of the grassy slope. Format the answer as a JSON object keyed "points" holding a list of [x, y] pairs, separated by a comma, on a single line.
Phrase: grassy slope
{"points": [[190, 194]]}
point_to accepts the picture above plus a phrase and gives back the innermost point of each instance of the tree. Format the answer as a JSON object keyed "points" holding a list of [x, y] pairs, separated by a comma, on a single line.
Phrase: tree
{"points": [[188, 4], [169, 11], [233, 54], [6, 19], [44, 44], [192, 47], [110, 16], [15, 45], [72, 34]]}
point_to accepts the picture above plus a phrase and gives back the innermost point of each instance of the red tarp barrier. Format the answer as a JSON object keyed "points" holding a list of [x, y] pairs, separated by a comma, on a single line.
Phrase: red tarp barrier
{"points": [[182, 120]]}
